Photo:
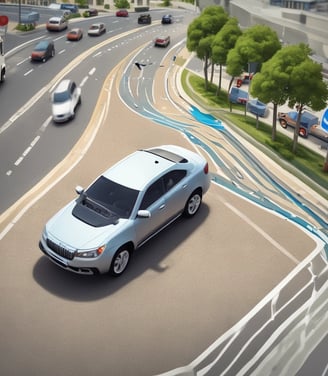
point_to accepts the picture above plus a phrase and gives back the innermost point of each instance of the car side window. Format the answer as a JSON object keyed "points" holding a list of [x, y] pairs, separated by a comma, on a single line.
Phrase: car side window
{"points": [[153, 193], [172, 178]]}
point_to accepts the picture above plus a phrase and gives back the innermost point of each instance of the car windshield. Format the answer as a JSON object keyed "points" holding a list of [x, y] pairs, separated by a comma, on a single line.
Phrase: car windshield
{"points": [[113, 196], [94, 27], [61, 97], [41, 46]]}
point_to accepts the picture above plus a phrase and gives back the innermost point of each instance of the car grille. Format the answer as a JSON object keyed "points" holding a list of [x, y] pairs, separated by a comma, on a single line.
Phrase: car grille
{"points": [[61, 251]]}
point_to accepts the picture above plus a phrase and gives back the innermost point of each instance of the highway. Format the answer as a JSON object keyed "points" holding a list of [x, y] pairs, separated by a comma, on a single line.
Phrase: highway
{"points": [[185, 288]]}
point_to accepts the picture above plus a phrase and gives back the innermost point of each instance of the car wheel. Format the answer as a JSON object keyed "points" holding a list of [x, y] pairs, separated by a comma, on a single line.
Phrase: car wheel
{"points": [[120, 261], [44, 60], [193, 204], [302, 132], [283, 123]]}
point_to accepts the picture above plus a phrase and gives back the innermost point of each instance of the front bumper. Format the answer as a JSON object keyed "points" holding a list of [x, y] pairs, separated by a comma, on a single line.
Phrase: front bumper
{"points": [[67, 264]]}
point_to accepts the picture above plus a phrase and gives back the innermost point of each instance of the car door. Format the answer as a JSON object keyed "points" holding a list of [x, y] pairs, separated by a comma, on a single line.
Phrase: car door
{"points": [[154, 202], [176, 192]]}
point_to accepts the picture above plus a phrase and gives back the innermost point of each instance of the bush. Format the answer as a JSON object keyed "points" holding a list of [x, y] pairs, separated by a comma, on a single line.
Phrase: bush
{"points": [[25, 27]]}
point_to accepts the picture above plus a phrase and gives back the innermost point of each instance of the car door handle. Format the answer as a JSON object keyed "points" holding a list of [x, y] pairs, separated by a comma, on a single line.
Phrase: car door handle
{"points": [[162, 207]]}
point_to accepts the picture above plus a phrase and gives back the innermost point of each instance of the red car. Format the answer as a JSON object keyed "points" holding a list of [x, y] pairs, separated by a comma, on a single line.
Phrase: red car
{"points": [[75, 34], [122, 13]]}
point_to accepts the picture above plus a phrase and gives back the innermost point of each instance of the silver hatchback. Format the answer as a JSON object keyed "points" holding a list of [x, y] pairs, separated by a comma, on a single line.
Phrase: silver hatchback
{"points": [[124, 207]]}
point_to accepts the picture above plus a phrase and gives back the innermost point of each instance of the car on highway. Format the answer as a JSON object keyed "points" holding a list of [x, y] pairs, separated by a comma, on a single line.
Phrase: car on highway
{"points": [[162, 41], [97, 29], [57, 24], [125, 207], [122, 13], [74, 34], [144, 19], [43, 51], [65, 99], [167, 19]]}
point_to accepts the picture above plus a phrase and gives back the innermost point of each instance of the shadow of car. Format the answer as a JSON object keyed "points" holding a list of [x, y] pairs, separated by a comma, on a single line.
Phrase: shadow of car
{"points": [[43, 51]]}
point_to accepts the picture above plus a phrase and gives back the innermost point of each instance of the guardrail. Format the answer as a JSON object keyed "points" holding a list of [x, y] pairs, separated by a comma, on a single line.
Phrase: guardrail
{"points": [[278, 335]]}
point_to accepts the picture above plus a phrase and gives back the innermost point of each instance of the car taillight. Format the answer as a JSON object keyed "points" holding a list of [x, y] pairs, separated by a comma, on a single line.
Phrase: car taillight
{"points": [[206, 168]]}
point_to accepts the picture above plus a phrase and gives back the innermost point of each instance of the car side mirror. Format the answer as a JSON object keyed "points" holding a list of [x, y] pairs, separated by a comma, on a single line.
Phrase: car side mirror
{"points": [[79, 190], [143, 214]]}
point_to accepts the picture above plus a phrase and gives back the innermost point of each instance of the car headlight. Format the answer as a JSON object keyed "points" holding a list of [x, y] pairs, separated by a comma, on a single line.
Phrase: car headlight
{"points": [[91, 253]]}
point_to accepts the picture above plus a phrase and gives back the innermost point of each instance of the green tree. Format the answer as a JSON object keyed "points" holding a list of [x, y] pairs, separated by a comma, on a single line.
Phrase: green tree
{"points": [[223, 42], [201, 32], [167, 3], [122, 4], [256, 45]]}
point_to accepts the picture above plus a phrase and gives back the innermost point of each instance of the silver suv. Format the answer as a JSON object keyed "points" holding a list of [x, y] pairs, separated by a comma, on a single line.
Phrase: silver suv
{"points": [[65, 99], [124, 207]]}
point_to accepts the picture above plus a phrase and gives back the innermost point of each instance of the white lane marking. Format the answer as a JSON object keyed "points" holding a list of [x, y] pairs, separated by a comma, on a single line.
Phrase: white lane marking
{"points": [[264, 234], [97, 54], [92, 71], [45, 124], [85, 79], [8, 173], [28, 72], [26, 151], [23, 61], [61, 51]]}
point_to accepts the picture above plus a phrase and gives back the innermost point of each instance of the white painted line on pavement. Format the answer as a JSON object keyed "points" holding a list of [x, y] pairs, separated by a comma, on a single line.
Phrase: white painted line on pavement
{"points": [[28, 72], [263, 233]]}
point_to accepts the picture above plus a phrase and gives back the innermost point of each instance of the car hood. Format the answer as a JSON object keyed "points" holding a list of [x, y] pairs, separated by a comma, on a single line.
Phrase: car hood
{"points": [[66, 229], [61, 108]]}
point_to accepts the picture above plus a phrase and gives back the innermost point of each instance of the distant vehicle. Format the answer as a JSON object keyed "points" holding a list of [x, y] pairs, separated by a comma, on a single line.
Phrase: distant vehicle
{"points": [[167, 19], [309, 124], [65, 98], [75, 34], [162, 41], [43, 51], [122, 13], [237, 95], [71, 7], [57, 24], [125, 207], [256, 107], [97, 29], [91, 12], [144, 19], [244, 79], [2, 61]]}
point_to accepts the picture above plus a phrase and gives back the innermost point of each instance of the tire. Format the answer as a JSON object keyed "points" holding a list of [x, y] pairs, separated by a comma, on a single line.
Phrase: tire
{"points": [[44, 60], [193, 204], [2, 76], [52, 53], [303, 133], [120, 261], [283, 123]]}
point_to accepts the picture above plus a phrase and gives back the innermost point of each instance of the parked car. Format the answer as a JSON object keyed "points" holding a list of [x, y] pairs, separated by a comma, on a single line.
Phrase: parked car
{"points": [[124, 207], [309, 124], [57, 24], [237, 95], [75, 34], [65, 98], [162, 41], [122, 13], [91, 12], [144, 19], [167, 19], [97, 29], [256, 107], [43, 50]]}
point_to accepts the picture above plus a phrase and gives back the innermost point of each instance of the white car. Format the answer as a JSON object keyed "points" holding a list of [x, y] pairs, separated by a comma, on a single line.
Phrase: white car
{"points": [[96, 29], [65, 98], [124, 207]]}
